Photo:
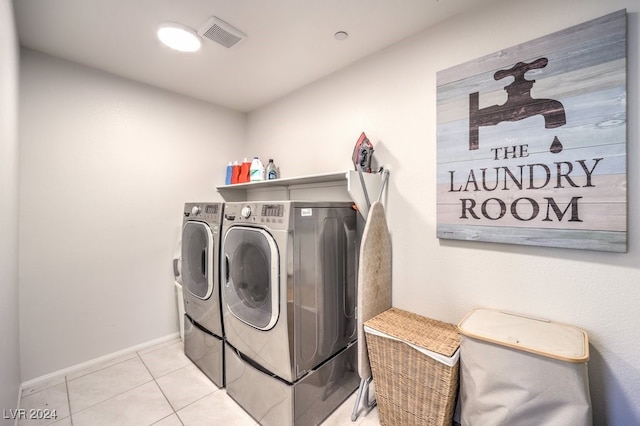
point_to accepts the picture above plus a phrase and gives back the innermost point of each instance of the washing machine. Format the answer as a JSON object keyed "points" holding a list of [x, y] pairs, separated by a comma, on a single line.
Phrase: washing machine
{"points": [[200, 257], [288, 272]]}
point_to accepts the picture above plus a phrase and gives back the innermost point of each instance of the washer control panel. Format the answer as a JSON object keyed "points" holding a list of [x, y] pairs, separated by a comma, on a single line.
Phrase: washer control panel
{"points": [[205, 212], [272, 210], [272, 214]]}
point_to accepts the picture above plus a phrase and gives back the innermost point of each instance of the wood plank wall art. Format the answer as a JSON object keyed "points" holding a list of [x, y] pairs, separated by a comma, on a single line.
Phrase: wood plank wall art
{"points": [[532, 142]]}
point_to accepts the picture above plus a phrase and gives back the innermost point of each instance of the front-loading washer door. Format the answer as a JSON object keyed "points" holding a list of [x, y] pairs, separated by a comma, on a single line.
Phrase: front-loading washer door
{"points": [[197, 259], [251, 274]]}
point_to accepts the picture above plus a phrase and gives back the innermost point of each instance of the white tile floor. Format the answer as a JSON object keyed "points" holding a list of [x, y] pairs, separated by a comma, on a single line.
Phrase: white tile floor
{"points": [[157, 386]]}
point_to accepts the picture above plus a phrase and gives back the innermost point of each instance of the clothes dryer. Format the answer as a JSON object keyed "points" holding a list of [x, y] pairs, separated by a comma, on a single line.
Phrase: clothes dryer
{"points": [[289, 295], [200, 254]]}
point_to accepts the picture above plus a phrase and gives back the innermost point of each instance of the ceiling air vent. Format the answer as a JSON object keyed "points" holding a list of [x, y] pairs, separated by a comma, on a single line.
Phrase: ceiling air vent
{"points": [[215, 29]]}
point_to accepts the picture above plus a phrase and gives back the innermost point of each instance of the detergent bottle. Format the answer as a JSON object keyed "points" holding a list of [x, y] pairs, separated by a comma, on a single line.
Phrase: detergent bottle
{"points": [[235, 174], [271, 171], [227, 179], [256, 170], [244, 171]]}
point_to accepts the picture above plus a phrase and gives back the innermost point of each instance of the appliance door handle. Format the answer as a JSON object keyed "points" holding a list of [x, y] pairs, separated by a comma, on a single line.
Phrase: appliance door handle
{"points": [[226, 269], [204, 262], [351, 271], [176, 267]]}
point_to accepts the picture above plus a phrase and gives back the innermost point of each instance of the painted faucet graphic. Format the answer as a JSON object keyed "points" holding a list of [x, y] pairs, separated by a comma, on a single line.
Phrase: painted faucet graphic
{"points": [[519, 105]]}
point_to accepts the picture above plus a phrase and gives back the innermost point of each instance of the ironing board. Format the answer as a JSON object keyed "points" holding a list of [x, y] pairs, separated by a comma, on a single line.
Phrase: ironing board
{"points": [[374, 290]]}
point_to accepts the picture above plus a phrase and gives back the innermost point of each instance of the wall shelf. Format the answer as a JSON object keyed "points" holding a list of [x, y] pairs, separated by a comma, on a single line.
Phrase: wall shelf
{"points": [[335, 186], [286, 182]]}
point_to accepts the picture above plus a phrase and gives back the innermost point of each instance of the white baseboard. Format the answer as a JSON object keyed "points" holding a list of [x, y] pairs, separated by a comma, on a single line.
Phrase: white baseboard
{"points": [[65, 371]]}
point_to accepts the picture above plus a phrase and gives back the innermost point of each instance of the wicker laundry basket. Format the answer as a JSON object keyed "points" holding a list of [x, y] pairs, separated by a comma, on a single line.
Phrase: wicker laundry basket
{"points": [[414, 361]]}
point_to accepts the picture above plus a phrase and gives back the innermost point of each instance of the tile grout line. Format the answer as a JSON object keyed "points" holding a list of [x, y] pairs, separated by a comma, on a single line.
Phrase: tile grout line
{"points": [[66, 386], [161, 391], [198, 400], [171, 405], [113, 396]]}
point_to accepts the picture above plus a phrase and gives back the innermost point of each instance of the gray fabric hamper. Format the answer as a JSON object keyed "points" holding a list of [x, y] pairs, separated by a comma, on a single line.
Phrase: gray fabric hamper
{"points": [[516, 370]]}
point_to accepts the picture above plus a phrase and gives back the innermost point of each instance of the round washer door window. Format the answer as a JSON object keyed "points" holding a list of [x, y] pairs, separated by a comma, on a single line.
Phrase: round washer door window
{"points": [[197, 259], [251, 276]]}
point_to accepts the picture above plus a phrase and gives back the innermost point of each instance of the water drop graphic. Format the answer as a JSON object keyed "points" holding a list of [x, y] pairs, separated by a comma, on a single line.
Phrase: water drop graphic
{"points": [[556, 146]]}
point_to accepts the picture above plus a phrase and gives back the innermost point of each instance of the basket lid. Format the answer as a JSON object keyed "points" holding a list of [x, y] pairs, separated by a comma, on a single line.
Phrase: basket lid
{"points": [[542, 337], [433, 335]]}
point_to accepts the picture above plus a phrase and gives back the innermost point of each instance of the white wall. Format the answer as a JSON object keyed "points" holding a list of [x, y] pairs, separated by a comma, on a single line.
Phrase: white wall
{"points": [[106, 166], [9, 343], [392, 97]]}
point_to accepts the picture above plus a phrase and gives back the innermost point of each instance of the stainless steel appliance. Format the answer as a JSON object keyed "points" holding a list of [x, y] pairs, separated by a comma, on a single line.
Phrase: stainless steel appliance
{"points": [[200, 254], [289, 296]]}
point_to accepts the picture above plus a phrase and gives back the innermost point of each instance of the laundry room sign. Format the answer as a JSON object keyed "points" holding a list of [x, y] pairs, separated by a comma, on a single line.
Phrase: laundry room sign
{"points": [[532, 142]]}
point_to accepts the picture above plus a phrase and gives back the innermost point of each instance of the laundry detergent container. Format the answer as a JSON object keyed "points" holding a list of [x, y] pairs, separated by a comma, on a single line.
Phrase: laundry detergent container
{"points": [[516, 370], [414, 361]]}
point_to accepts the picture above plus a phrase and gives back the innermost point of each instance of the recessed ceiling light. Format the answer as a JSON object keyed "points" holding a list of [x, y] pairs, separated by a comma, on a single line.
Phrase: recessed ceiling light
{"points": [[341, 35], [178, 37]]}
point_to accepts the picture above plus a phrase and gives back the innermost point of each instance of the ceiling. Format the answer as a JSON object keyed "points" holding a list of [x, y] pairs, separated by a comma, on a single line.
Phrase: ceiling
{"points": [[289, 43]]}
